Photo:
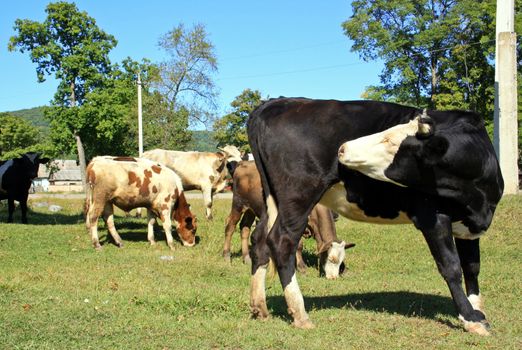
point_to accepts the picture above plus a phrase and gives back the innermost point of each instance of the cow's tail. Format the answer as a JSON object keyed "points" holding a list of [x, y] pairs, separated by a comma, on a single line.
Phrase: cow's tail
{"points": [[255, 127], [89, 199]]}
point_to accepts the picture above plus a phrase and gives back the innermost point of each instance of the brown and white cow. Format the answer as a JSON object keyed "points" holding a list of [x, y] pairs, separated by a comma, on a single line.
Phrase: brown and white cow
{"points": [[247, 204], [130, 183], [204, 171]]}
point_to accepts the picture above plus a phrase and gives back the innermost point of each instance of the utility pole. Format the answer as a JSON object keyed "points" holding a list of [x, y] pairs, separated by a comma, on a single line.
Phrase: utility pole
{"points": [[140, 119], [506, 123]]}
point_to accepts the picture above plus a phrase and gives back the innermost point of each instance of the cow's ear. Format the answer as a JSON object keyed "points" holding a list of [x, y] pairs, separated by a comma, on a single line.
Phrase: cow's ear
{"points": [[434, 148], [44, 160], [426, 127]]}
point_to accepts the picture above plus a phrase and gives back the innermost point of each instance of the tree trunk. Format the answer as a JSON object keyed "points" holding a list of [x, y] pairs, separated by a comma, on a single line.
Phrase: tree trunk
{"points": [[81, 157], [79, 143]]}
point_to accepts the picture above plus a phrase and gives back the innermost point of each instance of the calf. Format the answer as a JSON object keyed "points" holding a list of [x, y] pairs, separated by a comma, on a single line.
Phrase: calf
{"points": [[204, 171], [16, 176], [435, 169], [247, 204], [130, 183]]}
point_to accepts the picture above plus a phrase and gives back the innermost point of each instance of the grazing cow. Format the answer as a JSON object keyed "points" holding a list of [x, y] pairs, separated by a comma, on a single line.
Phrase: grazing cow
{"points": [[130, 183], [204, 171], [247, 204], [16, 176], [437, 170]]}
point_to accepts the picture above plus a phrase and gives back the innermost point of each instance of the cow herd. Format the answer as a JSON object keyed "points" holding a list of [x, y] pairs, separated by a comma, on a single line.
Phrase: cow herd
{"points": [[367, 161]]}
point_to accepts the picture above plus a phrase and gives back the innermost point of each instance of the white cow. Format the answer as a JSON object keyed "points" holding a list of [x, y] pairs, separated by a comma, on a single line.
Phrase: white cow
{"points": [[204, 171]]}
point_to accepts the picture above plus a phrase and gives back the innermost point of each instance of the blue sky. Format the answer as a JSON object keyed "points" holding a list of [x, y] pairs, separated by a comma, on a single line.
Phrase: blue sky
{"points": [[281, 48]]}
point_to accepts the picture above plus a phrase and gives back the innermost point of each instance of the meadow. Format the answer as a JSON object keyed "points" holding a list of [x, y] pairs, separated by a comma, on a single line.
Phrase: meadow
{"points": [[57, 292]]}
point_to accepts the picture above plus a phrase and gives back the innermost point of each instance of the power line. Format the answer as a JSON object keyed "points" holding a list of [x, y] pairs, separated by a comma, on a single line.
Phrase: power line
{"points": [[276, 52], [337, 66]]}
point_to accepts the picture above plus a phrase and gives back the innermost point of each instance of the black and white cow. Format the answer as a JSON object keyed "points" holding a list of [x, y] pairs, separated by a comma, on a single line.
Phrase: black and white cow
{"points": [[437, 170], [16, 176]]}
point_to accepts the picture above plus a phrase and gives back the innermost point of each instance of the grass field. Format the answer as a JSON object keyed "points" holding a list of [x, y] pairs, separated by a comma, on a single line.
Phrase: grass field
{"points": [[57, 292]]}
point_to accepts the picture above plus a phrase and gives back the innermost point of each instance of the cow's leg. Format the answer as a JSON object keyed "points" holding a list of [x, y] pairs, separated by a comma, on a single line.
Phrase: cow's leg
{"points": [[108, 217], [283, 241], [10, 209], [260, 254], [301, 266], [167, 227], [151, 220], [23, 207], [230, 226], [438, 235], [246, 223], [93, 213], [469, 254], [207, 199]]}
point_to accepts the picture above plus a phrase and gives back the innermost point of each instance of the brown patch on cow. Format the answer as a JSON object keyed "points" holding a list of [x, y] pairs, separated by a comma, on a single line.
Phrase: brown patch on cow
{"points": [[144, 188], [211, 178], [133, 178], [168, 198], [156, 169], [91, 175], [186, 220], [132, 199], [124, 159], [154, 189]]}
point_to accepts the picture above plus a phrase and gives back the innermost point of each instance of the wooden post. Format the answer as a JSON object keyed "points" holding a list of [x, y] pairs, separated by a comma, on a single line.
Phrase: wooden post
{"points": [[140, 122], [506, 124]]}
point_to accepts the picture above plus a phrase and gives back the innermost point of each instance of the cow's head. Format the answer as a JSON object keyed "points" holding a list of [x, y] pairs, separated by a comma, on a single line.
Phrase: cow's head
{"points": [[399, 154], [29, 164], [331, 258], [186, 222], [232, 153]]}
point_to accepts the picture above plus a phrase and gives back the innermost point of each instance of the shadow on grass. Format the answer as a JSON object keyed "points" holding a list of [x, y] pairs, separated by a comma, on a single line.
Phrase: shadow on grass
{"points": [[398, 302], [42, 218], [135, 230]]}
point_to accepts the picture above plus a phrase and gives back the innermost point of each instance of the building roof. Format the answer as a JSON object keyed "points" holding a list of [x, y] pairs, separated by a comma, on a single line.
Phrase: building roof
{"points": [[62, 170]]}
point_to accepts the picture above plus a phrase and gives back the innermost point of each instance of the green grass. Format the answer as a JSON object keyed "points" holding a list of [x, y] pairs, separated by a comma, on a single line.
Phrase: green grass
{"points": [[57, 292]]}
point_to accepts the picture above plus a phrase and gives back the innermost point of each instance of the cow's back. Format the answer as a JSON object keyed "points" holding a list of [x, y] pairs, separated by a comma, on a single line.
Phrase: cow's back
{"points": [[194, 168]]}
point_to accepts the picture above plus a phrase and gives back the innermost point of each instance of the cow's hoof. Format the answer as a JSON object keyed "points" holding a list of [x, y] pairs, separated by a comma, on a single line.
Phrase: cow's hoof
{"points": [[119, 244], [259, 312], [227, 258], [480, 328], [97, 246], [247, 260], [152, 242], [303, 324]]}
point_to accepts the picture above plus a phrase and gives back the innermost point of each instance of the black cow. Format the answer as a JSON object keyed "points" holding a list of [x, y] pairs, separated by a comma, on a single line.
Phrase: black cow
{"points": [[437, 170], [16, 176]]}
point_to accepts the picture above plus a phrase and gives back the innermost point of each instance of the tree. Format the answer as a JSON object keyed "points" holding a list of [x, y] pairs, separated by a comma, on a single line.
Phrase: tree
{"points": [[185, 79], [436, 52], [18, 136], [69, 45], [231, 129]]}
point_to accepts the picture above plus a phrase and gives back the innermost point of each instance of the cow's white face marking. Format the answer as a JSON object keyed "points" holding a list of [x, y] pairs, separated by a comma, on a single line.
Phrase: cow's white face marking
{"points": [[335, 199], [373, 154], [272, 211], [336, 255]]}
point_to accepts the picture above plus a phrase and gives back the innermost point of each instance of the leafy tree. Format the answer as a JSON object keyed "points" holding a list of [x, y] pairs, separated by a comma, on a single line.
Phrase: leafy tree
{"points": [[185, 79], [69, 45], [436, 52], [18, 136], [231, 129]]}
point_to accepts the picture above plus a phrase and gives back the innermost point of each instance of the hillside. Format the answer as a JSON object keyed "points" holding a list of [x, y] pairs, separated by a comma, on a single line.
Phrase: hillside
{"points": [[34, 115], [202, 139]]}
